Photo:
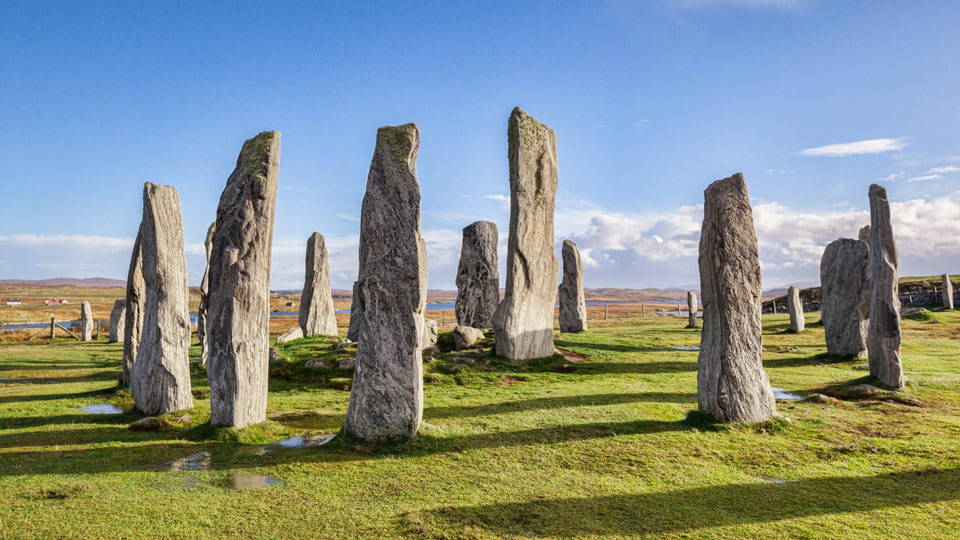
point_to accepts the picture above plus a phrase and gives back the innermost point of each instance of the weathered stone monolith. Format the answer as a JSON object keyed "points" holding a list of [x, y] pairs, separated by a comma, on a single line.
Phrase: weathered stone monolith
{"points": [[946, 292], [356, 308], [238, 316], [692, 309], [386, 398], [160, 382], [205, 298], [573, 305], [845, 296], [883, 337], [523, 322], [133, 318], [86, 321], [431, 332], [478, 278], [864, 234], [317, 316], [117, 315], [795, 308], [731, 383]]}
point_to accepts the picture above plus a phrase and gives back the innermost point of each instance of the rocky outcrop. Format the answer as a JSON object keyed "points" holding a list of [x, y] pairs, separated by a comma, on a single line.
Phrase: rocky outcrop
{"points": [[86, 321], [692, 309], [356, 308], [883, 336], [133, 318], [386, 397], [523, 322], [795, 308], [731, 383], [845, 293], [946, 292], [465, 337], [478, 278], [573, 305], [317, 315], [205, 298], [160, 382], [238, 316], [117, 320]]}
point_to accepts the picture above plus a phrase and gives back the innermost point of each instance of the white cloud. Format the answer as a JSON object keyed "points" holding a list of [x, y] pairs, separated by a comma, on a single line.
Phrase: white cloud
{"points": [[703, 4], [943, 170], [498, 197], [349, 217], [925, 177], [891, 177], [872, 146]]}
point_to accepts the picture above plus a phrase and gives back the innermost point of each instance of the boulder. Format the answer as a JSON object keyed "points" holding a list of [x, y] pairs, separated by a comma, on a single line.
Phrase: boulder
{"points": [[795, 308], [845, 296], [946, 292], [573, 305], [430, 333], [347, 363], [465, 337], [315, 363], [274, 356], [478, 277], [692, 309], [317, 315], [523, 322], [133, 318], [239, 303], [117, 315], [160, 382], [204, 298], [883, 336], [291, 334], [86, 321], [386, 397], [731, 383]]}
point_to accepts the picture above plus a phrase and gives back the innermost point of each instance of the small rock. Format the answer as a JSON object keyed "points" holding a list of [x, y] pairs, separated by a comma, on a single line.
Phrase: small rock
{"points": [[149, 423], [185, 419], [867, 389], [348, 363], [275, 356], [315, 363], [294, 333], [432, 349], [465, 337], [342, 344], [864, 367], [820, 398], [457, 368]]}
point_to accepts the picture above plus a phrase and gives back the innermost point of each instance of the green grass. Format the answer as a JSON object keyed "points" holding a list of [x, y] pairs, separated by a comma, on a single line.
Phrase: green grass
{"points": [[599, 443]]}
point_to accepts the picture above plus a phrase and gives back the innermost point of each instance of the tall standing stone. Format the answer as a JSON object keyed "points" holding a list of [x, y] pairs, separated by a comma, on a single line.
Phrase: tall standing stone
{"points": [[795, 307], [691, 309], [845, 296], [946, 291], [478, 277], [133, 318], [573, 306], [205, 298], [86, 321], [523, 322], [317, 315], [731, 383], [117, 315], [883, 337], [238, 316], [356, 308], [161, 374], [386, 398]]}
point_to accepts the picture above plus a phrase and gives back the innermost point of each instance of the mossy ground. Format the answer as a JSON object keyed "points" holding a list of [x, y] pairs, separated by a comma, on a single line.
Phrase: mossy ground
{"points": [[597, 443]]}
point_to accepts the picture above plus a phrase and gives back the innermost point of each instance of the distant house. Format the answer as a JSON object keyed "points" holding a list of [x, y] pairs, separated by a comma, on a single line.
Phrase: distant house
{"points": [[57, 302], [13, 302]]}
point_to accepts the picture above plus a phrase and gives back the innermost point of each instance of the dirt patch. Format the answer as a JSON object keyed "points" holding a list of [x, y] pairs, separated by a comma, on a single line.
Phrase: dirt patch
{"points": [[572, 356]]}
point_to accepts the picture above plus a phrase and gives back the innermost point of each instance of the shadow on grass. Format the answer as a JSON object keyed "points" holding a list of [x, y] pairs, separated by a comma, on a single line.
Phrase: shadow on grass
{"points": [[54, 397], [704, 507], [559, 402]]}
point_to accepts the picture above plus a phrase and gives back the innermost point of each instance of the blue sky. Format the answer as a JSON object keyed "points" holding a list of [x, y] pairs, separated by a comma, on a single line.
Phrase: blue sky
{"points": [[651, 101]]}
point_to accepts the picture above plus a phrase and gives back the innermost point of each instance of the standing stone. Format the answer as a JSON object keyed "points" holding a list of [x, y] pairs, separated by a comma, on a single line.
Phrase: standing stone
{"points": [[795, 307], [864, 234], [478, 277], [133, 319], [731, 383], [205, 298], [845, 295], [883, 337], [238, 316], [161, 374], [947, 291], [573, 306], [523, 322], [386, 398], [317, 315], [692, 309], [117, 315], [431, 332], [86, 321], [356, 308]]}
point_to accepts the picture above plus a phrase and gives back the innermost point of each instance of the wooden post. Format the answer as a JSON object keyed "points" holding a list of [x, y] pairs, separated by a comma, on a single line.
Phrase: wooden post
{"points": [[643, 311], [53, 326], [443, 317], [605, 311], [679, 311], [774, 306]]}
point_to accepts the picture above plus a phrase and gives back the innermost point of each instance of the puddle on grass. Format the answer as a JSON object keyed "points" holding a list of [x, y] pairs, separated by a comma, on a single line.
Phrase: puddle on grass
{"points": [[101, 408], [195, 462], [782, 395], [250, 481], [305, 440], [15, 381], [772, 479], [685, 348]]}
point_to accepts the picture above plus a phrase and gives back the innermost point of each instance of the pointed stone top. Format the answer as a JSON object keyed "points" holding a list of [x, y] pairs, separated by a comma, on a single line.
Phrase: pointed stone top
{"points": [[403, 142], [479, 224], [569, 243], [260, 147], [876, 190], [732, 183], [316, 235]]}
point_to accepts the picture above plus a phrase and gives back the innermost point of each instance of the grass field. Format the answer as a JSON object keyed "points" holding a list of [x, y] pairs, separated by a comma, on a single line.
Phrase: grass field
{"points": [[594, 444]]}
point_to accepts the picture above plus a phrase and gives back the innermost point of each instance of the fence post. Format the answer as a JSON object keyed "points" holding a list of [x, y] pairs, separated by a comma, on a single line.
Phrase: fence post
{"points": [[443, 317], [774, 306], [53, 326], [679, 311], [643, 311], [606, 308]]}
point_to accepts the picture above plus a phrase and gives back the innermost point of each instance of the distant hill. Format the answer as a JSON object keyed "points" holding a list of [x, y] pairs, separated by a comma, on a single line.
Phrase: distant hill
{"points": [[71, 282]]}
